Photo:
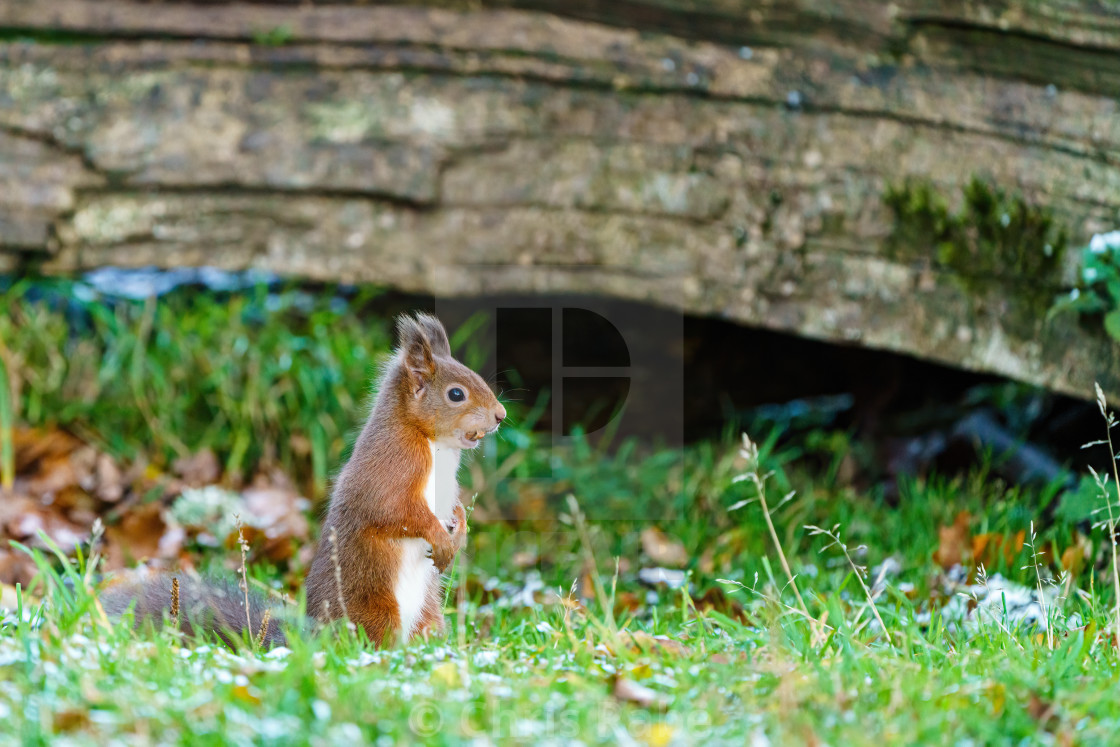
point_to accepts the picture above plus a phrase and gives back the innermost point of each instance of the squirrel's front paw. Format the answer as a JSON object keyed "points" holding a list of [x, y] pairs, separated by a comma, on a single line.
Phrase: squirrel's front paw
{"points": [[443, 552], [458, 526]]}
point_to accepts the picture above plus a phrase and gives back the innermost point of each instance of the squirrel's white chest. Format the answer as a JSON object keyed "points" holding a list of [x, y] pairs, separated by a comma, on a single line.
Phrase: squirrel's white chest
{"points": [[442, 488], [417, 574]]}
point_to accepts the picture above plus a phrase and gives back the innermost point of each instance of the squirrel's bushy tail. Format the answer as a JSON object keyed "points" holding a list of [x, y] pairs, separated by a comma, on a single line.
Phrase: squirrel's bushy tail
{"points": [[205, 606]]}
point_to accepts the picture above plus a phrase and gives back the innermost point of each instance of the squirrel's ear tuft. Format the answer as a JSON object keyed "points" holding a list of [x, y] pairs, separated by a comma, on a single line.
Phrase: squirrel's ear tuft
{"points": [[416, 353], [436, 334]]}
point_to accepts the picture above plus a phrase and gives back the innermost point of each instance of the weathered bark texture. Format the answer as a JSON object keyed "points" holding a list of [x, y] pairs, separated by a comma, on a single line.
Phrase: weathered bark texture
{"points": [[720, 156]]}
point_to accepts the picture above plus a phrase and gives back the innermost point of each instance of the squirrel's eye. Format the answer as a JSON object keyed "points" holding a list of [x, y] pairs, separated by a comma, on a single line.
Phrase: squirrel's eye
{"points": [[455, 394]]}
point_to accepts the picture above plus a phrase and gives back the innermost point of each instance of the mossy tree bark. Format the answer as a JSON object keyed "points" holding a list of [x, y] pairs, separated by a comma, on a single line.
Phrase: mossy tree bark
{"points": [[781, 164]]}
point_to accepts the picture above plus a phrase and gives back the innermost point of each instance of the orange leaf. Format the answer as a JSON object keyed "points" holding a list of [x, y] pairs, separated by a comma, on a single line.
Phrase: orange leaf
{"points": [[953, 542]]}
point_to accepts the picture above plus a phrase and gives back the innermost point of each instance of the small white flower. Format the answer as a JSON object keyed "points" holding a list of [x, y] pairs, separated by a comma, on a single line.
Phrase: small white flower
{"points": [[1102, 242], [1090, 274], [1074, 294], [1005, 220]]}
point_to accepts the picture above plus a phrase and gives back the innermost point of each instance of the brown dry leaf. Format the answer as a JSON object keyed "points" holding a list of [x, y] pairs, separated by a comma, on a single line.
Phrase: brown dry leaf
{"points": [[110, 479], [1075, 557], [142, 534], [70, 719], [199, 469], [626, 601], [663, 549], [707, 562], [9, 600], [32, 444], [55, 473], [525, 558], [988, 548], [1042, 711], [629, 691], [716, 599], [22, 519], [531, 504], [953, 542], [474, 589], [585, 586], [985, 547], [15, 568], [12, 507], [278, 512]]}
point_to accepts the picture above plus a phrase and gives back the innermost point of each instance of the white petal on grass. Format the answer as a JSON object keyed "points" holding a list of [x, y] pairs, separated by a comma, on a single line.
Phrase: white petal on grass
{"points": [[486, 658]]}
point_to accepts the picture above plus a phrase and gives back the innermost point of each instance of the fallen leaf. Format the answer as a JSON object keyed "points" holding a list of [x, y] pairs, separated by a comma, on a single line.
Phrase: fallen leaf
{"points": [[26, 527], [627, 601], [716, 599], [1041, 711], [480, 593], [70, 719], [140, 535], [201, 468], [1076, 556], [707, 562], [110, 480], [663, 549], [32, 444], [988, 548], [277, 513], [629, 691], [953, 542], [15, 568], [9, 600]]}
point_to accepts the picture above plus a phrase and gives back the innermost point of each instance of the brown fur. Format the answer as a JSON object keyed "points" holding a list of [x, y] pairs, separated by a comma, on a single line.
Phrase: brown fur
{"points": [[378, 500], [205, 606]]}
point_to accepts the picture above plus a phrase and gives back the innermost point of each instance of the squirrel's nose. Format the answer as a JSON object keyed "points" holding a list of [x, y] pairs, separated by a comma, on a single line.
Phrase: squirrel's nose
{"points": [[499, 414]]}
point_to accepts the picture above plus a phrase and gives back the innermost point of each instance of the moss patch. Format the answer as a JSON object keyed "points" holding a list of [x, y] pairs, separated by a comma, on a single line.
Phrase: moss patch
{"points": [[993, 236]]}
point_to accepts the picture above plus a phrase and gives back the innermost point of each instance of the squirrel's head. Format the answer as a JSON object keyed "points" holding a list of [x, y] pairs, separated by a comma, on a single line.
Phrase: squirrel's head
{"points": [[452, 402]]}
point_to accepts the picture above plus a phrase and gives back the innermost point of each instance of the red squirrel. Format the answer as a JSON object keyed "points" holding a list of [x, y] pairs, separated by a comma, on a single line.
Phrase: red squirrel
{"points": [[395, 501]]}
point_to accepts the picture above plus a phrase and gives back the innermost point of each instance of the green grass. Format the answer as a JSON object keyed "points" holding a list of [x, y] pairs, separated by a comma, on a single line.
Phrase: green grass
{"points": [[519, 672], [525, 673], [257, 377]]}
